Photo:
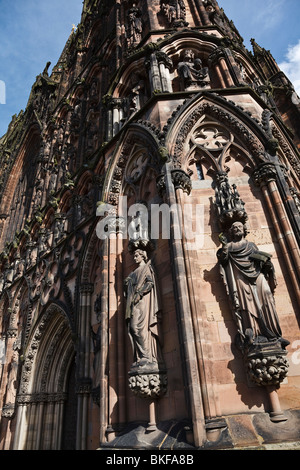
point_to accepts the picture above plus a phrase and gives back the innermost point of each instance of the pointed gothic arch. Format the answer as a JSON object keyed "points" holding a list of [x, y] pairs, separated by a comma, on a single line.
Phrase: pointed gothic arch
{"points": [[220, 110], [43, 391], [138, 138]]}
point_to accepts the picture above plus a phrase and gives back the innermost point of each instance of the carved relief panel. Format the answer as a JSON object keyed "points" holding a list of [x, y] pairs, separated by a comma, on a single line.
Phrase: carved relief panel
{"points": [[193, 75]]}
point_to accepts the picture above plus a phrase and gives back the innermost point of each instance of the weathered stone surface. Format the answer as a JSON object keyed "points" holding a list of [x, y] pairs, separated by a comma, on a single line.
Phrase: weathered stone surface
{"points": [[121, 120]]}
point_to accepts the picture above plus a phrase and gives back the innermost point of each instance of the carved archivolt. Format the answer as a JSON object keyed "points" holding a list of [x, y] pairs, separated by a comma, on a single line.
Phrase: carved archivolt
{"points": [[88, 257], [55, 320], [291, 157]]}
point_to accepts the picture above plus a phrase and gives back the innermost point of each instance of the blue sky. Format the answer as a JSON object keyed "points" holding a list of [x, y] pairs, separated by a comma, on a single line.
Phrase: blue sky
{"points": [[33, 32]]}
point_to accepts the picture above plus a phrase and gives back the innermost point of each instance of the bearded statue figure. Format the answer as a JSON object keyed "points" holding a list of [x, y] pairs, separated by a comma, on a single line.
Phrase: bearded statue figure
{"points": [[250, 281]]}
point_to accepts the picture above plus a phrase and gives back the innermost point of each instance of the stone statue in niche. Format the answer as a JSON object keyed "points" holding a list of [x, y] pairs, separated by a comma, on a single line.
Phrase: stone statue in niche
{"points": [[138, 227], [8, 409], [296, 196], [250, 282], [174, 11], [96, 338], [250, 278], [191, 72], [134, 27], [59, 230], [143, 314]]}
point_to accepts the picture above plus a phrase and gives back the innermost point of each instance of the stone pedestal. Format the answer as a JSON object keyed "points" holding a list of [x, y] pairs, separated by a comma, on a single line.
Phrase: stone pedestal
{"points": [[148, 383]]}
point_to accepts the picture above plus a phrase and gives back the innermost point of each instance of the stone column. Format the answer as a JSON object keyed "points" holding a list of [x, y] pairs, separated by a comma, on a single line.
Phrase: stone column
{"points": [[59, 412], [103, 398], [84, 380], [39, 423], [117, 115], [218, 59], [83, 390], [171, 180], [122, 379], [112, 407], [112, 335], [265, 177], [203, 13], [165, 63], [154, 73], [114, 115], [21, 422], [3, 218], [183, 185]]}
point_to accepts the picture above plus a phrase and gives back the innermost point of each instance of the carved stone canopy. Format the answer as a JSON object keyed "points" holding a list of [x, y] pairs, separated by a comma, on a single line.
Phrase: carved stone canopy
{"points": [[229, 204]]}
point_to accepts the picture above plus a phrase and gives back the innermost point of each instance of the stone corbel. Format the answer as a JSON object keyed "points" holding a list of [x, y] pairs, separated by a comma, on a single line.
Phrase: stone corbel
{"points": [[264, 174], [180, 179]]}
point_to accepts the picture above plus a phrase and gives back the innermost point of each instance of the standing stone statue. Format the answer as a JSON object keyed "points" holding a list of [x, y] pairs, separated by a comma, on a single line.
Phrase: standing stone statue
{"points": [[8, 409], [250, 281], [135, 27], [143, 313]]}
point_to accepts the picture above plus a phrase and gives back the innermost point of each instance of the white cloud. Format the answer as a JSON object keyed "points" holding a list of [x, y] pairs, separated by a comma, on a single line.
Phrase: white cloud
{"points": [[267, 14], [291, 66]]}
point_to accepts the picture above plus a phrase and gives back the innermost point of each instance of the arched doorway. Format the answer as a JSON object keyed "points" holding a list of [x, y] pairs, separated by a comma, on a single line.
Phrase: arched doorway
{"points": [[46, 399]]}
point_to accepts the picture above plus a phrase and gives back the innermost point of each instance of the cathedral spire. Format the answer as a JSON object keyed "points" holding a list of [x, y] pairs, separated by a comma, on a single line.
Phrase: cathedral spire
{"points": [[265, 59]]}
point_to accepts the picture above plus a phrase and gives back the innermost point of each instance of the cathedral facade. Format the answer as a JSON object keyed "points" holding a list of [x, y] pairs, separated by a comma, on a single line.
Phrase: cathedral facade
{"points": [[150, 239]]}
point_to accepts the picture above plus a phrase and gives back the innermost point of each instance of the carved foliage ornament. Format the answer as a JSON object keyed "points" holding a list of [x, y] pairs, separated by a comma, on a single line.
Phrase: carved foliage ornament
{"points": [[151, 385]]}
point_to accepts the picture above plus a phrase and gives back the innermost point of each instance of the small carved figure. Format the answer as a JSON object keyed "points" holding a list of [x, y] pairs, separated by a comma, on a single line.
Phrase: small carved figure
{"points": [[138, 226], [192, 72], [143, 313], [12, 381], [59, 230]]}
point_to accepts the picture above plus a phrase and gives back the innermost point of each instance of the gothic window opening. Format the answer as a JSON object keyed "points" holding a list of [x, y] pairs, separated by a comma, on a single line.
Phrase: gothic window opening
{"points": [[214, 148], [26, 194], [199, 171]]}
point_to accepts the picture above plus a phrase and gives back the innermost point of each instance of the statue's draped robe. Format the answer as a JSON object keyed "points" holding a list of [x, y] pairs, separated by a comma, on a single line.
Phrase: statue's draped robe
{"points": [[249, 290], [143, 317]]}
